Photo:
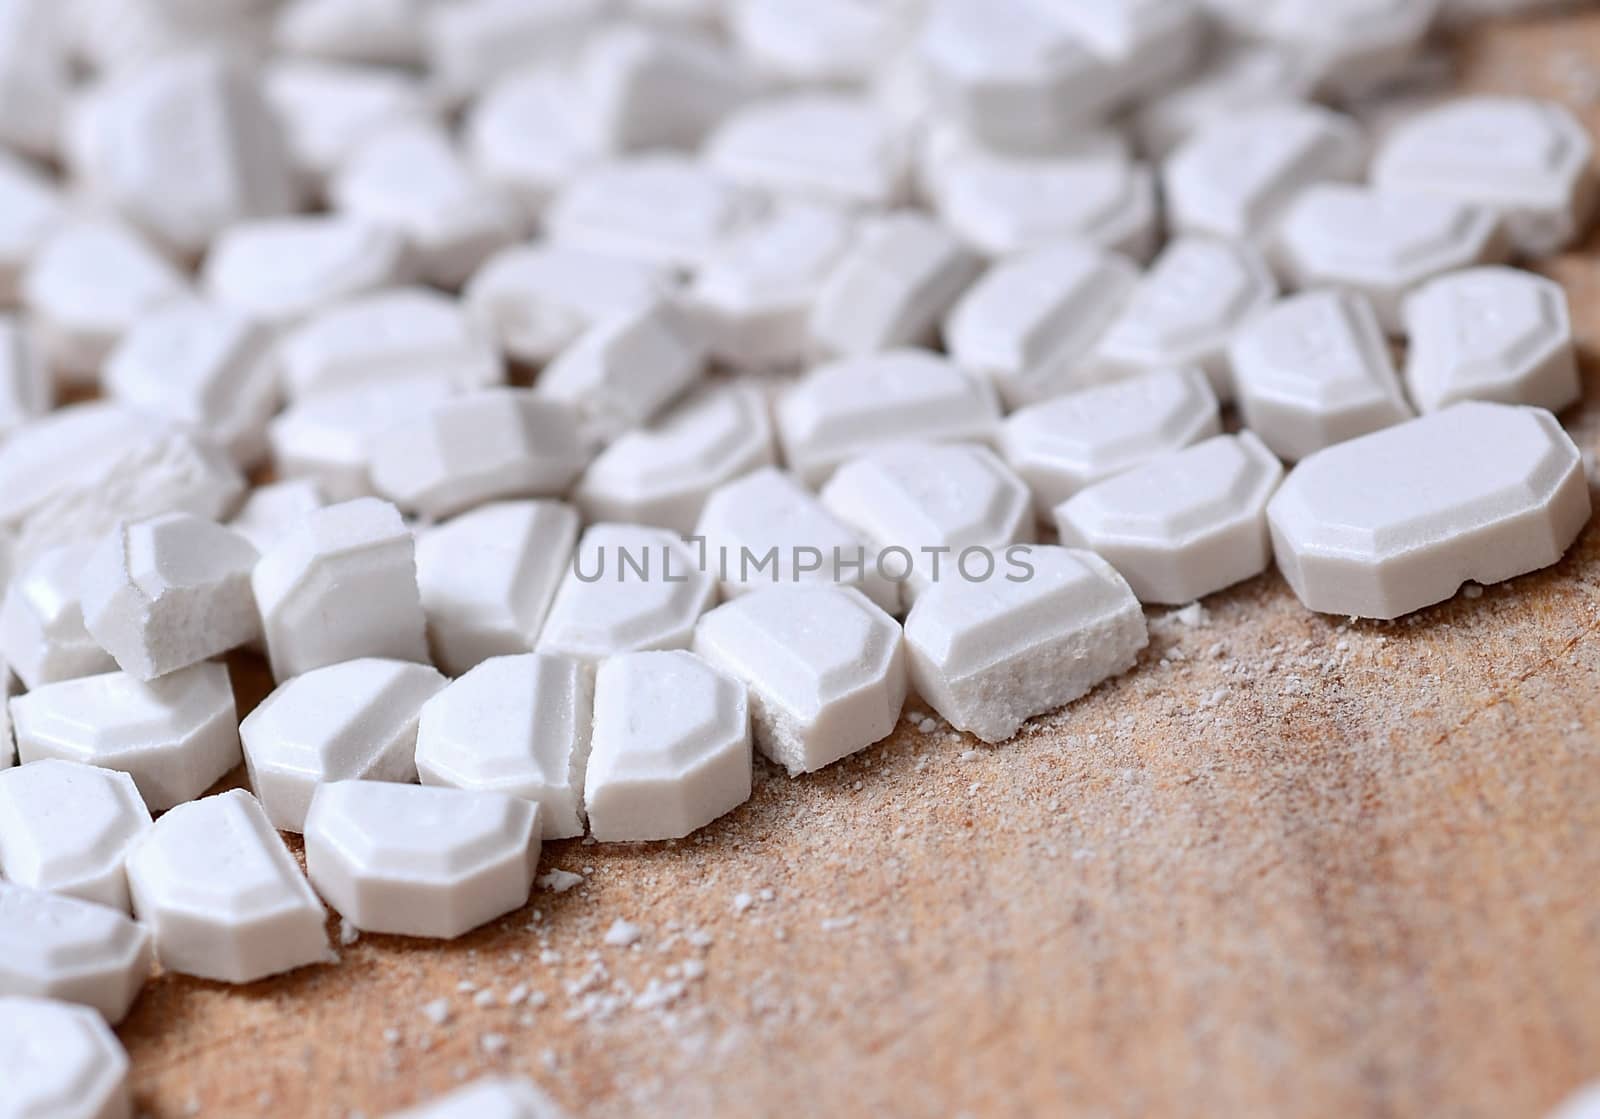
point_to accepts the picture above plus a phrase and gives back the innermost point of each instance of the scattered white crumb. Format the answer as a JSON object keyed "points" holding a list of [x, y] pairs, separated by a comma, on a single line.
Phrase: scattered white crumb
{"points": [[834, 924], [623, 934], [466, 987], [1472, 590], [559, 881], [437, 1011], [1193, 614], [741, 902], [694, 969], [483, 999], [970, 755], [517, 995], [927, 725], [348, 933], [493, 1043]]}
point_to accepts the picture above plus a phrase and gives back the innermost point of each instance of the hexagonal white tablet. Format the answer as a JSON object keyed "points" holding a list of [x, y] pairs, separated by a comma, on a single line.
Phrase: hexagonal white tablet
{"points": [[1074, 440], [203, 367], [224, 896], [495, 443], [175, 736], [409, 177], [283, 269], [662, 474], [26, 388], [327, 108], [754, 295], [824, 668], [1184, 524], [1033, 319], [1233, 178], [768, 529], [1002, 203], [891, 287], [42, 635], [1528, 159], [990, 655], [66, 827], [517, 725], [1314, 370], [162, 594], [657, 87], [58, 947], [1381, 243], [1490, 334], [537, 299], [301, 587], [846, 407], [417, 861], [831, 147], [347, 721], [490, 1098], [946, 506], [661, 208], [623, 370], [386, 336], [1394, 521], [1184, 311], [671, 747], [630, 587], [530, 132], [184, 147], [60, 1061], [487, 578], [823, 42], [91, 281], [30, 209]]}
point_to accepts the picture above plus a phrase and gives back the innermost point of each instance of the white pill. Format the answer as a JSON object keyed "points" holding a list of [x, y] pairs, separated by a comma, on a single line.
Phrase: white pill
{"points": [[1185, 310], [165, 593], [467, 45], [662, 474], [1394, 521], [90, 282], [990, 655], [27, 390], [662, 208], [66, 827], [1313, 370], [202, 367], [1382, 243], [386, 336], [71, 446], [60, 1061], [537, 299], [1490, 334], [487, 445], [224, 895], [1355, 43], [183, 147], [281, 270], [1184, 524], [767, 529], [487, 578], [530, 132], [1033, 319], [1233, 178], [328, 437], [824, 667], [301, 585], [58, 947], [386, 32], [828, 147], [416, 861], [327, 108], [175, 736], [1528, 159], [517, 725], [951, 509], [409, 177], [1071, 441], [891, 287], [630, 587], [42, 635], [754, 295], [651, 87], [846, 407], [671, 747], [1001, 203], [625, 369], [489, 1098], [1239, 76], [821, 42], [30, 209], [275, 508], [355, 720]]}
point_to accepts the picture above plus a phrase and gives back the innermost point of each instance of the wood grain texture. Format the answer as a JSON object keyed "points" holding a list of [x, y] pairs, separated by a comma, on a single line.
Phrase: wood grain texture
{"points": [[1288, 867]]}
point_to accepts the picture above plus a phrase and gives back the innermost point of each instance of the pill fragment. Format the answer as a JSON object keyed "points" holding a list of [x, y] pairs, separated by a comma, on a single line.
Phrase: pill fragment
{"points": [[42, 635], [223, 895], [490, 1098], [61, 1062], [58, 947], [988, 656], [66, 827], [356, 720], [671, 747], [1388, 523]]}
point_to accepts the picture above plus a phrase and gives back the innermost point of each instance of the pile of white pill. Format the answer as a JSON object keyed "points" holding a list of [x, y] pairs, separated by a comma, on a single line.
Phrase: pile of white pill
{"points": [[571, 398]]}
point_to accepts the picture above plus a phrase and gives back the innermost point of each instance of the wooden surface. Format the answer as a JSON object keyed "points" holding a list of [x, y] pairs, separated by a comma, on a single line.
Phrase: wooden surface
{"points": [[1287, 867]]}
